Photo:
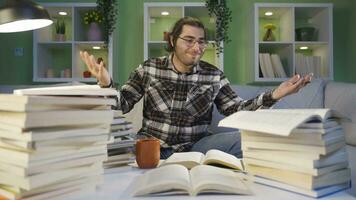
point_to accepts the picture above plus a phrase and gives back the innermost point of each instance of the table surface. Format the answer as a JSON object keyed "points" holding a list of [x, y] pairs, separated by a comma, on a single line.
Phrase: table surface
{"points": [[118, 184]]}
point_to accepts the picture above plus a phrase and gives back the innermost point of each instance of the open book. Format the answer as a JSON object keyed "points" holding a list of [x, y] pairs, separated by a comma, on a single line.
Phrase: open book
{"points": [[279, 121], [212, 157], [176, 179]]}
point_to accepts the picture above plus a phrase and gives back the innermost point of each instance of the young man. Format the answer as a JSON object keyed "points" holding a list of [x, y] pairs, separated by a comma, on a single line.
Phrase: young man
{"points": [[179, 92]]}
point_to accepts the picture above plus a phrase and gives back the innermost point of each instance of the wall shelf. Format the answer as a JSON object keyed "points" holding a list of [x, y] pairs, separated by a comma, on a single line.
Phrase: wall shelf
{"points": [[59, 61], [286, 48]]}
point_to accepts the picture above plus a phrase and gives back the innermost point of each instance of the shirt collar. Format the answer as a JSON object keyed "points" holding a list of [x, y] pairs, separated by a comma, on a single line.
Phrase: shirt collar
{"points": [[196, 67]]}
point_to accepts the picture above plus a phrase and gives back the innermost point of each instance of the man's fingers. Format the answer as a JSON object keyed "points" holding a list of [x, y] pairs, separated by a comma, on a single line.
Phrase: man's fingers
{"points": [[94, 64], [85, 57], [294, 79]]}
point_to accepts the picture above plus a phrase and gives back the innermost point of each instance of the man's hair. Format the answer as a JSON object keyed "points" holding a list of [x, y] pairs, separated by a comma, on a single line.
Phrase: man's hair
{"points": [[178, 28]]}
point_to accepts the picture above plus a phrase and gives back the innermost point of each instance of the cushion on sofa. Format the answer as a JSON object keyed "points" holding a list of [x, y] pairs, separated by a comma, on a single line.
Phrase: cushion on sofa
{"points": [[342, 98], [311, 96], [243, 91]]}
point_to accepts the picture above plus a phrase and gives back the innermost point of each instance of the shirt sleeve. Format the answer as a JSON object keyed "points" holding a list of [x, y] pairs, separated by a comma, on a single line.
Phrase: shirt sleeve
{"points": [[228, 102], [131, 92]]}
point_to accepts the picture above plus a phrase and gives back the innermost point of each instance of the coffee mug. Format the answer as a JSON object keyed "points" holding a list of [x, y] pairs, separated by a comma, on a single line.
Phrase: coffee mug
{"points": [[147, 153]]}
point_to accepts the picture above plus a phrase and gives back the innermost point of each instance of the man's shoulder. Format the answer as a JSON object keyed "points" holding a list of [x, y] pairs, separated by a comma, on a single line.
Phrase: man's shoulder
{"points": [[207, 67], [158, 61]]}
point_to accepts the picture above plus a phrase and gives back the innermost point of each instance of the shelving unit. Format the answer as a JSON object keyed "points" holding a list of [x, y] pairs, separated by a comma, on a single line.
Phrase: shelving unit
{"points": [[155, 24], [59, 61], [288, 44]]}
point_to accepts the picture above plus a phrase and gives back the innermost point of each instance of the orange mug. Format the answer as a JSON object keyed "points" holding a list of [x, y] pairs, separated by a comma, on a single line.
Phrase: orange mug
{"points": [[147, 153]]}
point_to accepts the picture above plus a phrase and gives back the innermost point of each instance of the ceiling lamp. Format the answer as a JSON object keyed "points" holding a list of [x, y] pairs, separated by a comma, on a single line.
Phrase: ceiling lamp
{"points": [[22, 15]]}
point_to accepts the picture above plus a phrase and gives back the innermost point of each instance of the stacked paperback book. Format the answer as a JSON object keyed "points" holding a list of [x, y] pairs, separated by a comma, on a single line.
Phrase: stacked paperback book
{"points": [[53, 141], [300, 150], [122, 140]]}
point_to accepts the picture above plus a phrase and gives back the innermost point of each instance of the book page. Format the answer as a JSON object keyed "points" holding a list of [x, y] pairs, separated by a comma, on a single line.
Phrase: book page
{"points": [[219, 158], [163, 179], [275, 122], [187, 159], [207, 179], [322, 113]]}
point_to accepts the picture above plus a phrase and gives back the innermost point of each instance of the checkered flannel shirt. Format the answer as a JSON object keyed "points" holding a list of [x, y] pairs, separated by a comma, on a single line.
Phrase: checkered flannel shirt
{"points": [[178, 106]]}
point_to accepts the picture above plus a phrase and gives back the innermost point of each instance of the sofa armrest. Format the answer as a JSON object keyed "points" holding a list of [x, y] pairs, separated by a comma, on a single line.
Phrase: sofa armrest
{"points": [[342, 98]]}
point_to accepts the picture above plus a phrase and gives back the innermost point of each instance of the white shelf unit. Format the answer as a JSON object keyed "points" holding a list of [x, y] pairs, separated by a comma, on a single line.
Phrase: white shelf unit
{"points": [[155, 24], [287, 17], [59, 61]]}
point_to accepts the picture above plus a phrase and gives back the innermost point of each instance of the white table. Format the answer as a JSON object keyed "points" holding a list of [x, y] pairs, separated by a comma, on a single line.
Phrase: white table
{"points": [[118, 184]]}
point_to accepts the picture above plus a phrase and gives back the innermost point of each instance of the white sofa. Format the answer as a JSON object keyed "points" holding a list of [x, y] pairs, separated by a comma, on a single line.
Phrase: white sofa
{"points": [[318, 94]]}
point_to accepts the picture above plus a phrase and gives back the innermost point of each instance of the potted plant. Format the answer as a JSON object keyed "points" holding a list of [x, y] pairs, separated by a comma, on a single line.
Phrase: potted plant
{"points": [[269, 35], [109, 10], [93, 18], [219, 9], [60, 30]]}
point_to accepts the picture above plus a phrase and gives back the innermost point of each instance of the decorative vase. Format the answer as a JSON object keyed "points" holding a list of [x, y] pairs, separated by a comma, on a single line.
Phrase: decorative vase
{"points": [[86, 74], [60, 37], [94, 32], [269, 36]]}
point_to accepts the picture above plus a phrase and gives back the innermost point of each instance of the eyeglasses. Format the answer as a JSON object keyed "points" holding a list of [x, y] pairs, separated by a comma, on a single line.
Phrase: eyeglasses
{"points": [[191, 42]]}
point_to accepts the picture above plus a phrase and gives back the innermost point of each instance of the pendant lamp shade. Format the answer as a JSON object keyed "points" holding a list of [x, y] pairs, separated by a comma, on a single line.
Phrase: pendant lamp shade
{"points": [[22, 15]]}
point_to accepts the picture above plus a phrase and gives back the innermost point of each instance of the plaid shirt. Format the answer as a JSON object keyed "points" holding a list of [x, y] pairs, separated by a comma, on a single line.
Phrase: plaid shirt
{"points": [[178, 106]]}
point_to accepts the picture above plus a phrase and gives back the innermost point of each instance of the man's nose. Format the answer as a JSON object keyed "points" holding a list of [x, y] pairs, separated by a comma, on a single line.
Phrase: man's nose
{"points": [[196, 46]]}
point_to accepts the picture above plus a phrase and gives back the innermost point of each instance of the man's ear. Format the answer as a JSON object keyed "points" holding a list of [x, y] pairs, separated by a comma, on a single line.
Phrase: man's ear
{"points": [[171, 41]]}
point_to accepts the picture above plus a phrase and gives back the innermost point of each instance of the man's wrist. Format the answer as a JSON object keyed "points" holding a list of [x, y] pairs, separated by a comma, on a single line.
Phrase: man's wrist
{"points": [[106, 86]]}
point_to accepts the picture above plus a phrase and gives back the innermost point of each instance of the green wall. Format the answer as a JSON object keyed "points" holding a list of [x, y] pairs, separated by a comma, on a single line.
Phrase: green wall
{"points": [[238, 60]]}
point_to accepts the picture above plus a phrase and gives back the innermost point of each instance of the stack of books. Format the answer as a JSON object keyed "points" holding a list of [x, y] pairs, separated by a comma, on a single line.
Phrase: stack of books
{"points": [[300, 150], [53, 146], [122, 141]]}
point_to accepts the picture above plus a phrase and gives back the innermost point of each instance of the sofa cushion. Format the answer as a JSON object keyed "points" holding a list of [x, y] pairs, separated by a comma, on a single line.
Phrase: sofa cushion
{"points": [[311, 96], [342, 98], [243, 91]]}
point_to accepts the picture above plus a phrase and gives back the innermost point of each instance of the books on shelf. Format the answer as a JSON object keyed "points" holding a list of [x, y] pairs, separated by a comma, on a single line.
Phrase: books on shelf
{"points": [[301, 150], [271, 66], [177, 179], [309, 64], [212, 157]]}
